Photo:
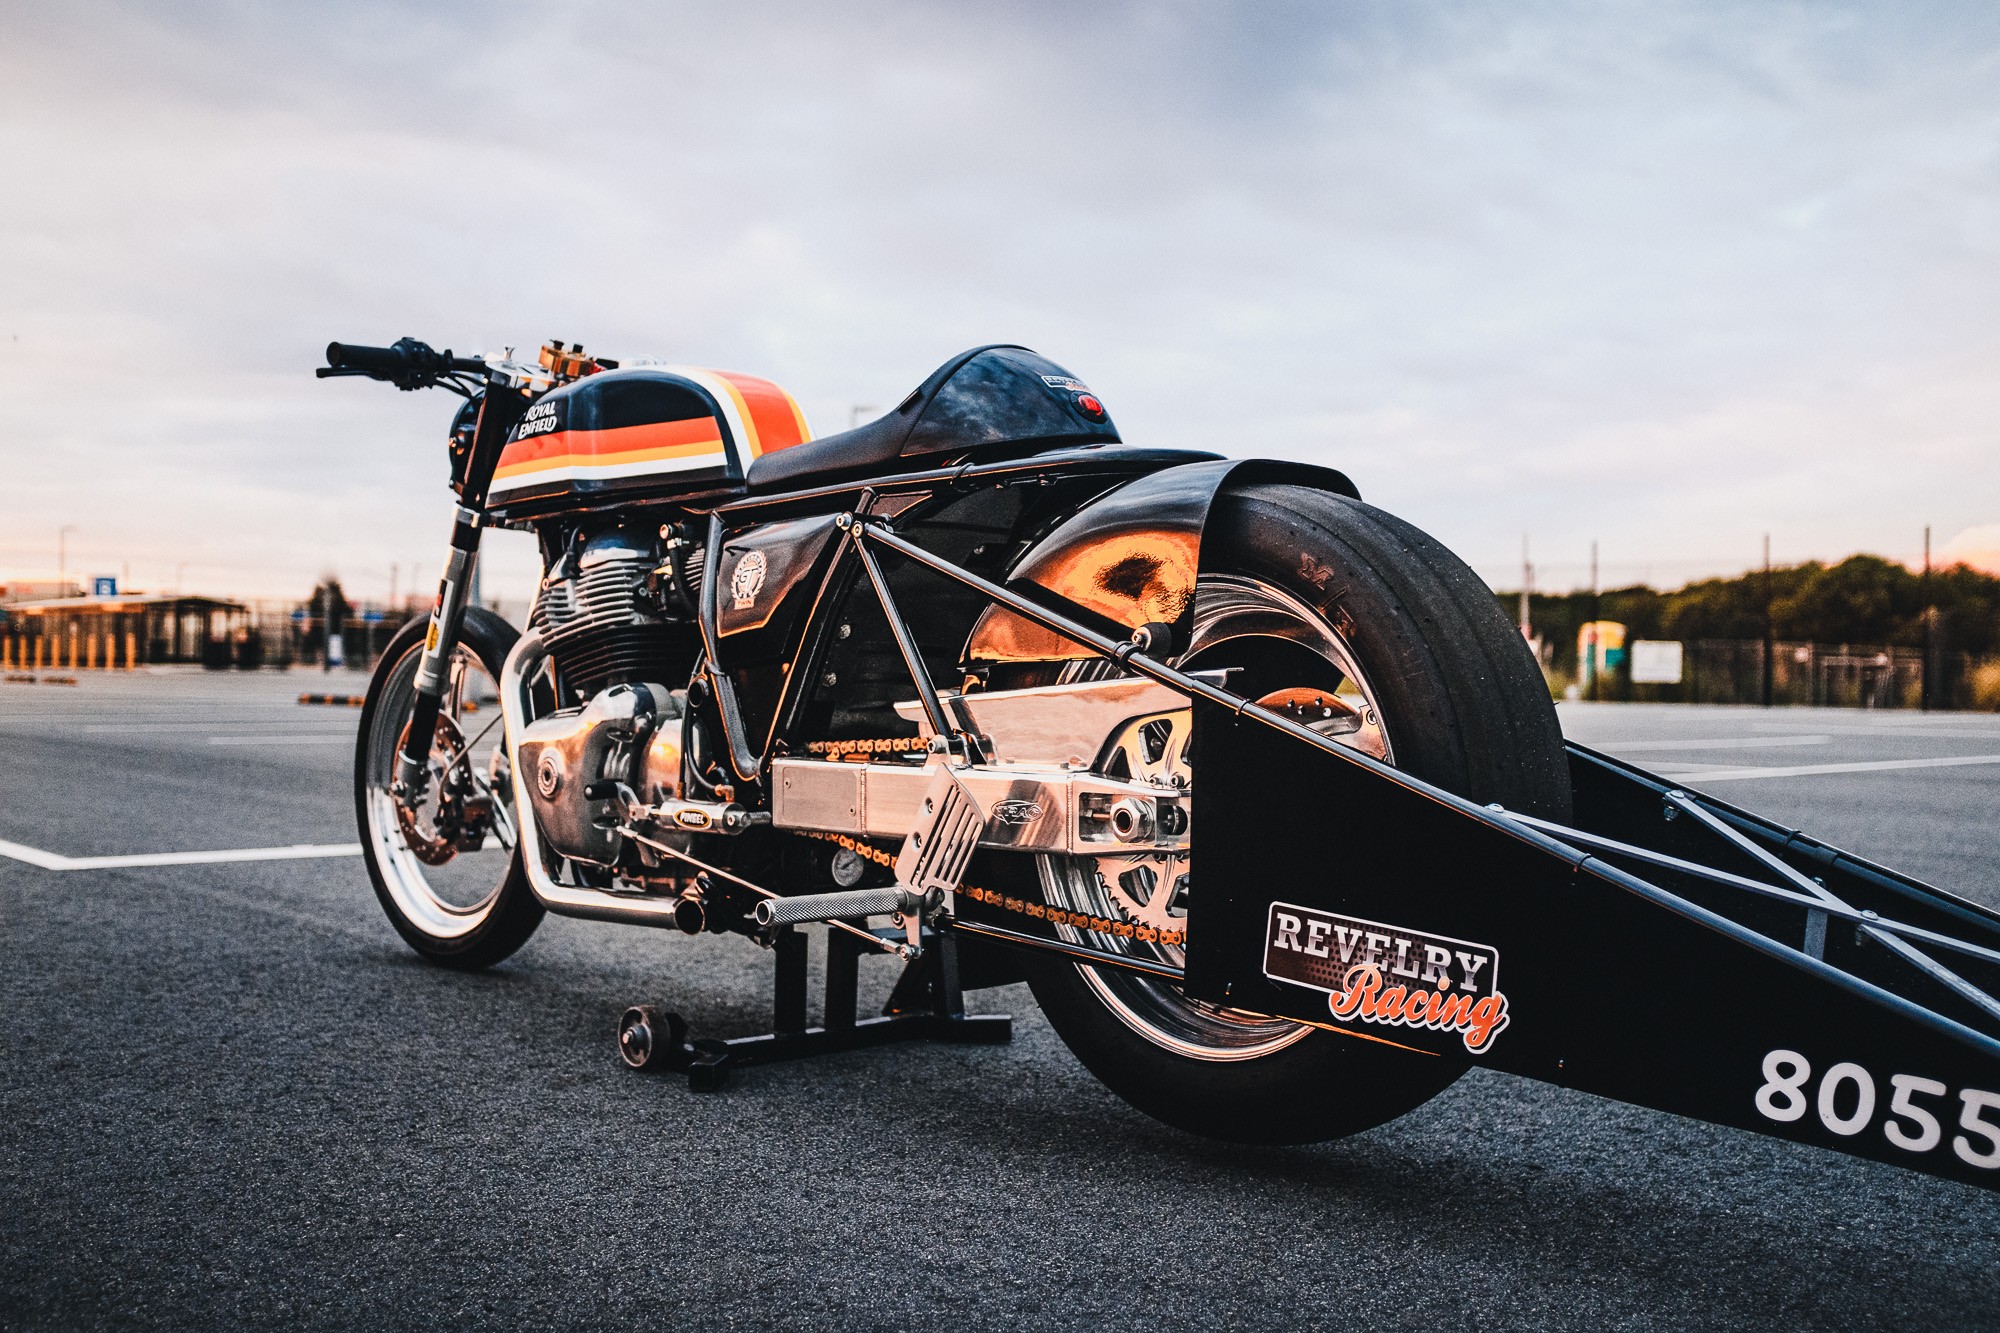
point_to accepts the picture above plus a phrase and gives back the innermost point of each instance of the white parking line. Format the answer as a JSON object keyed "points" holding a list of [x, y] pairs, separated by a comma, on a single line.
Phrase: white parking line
{"points": [[303, 851], [1903, 730], [1699, 777], [296, 738], [210, 725], [1733, 743]]}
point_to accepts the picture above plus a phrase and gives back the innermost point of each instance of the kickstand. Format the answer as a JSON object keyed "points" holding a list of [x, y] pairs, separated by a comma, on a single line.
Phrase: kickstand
{"points": [[926, 1005]]}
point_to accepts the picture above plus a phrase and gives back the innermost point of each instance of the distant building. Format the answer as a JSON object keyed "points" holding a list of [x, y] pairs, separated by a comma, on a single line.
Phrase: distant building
{"points": [[36, 590], [128, 631]]}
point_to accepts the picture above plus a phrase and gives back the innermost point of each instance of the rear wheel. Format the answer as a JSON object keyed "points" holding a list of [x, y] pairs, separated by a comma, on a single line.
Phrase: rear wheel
{"points": [[448, 870], [1358, 625]]}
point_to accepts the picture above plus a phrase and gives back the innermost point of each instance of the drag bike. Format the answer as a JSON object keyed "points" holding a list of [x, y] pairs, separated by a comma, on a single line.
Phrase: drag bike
{"points": [[964, 684], [927, 681], [887, 681]]}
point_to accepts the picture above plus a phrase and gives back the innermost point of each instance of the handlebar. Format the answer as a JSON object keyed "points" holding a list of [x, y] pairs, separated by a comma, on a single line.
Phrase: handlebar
{"points": [[407, 363]]}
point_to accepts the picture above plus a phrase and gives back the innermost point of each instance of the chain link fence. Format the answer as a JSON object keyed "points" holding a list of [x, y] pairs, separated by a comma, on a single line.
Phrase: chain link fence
{"points": [[1818, 675]]}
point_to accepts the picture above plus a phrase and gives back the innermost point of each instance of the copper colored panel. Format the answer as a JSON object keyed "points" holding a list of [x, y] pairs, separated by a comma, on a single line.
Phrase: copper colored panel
{"points": [[1135, 577]]}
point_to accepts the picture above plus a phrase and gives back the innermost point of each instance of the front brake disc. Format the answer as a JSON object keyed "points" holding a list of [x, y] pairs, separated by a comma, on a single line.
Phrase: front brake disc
{"points": [[436, 837]]}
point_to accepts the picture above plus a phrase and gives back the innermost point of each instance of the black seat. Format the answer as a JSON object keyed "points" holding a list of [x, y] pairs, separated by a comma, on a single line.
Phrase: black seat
{"points": [[1001, 395]]}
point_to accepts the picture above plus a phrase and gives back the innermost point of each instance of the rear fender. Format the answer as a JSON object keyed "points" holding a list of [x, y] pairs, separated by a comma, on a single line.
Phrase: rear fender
{"points": [[1129, 558]]}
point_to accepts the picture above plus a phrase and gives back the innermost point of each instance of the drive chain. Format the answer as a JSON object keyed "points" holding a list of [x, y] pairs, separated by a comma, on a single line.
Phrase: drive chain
{"points": [[870, 745], [1059, 916]]}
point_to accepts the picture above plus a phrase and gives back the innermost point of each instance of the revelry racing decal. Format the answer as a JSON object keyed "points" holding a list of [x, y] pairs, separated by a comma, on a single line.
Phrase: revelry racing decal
{"points": [[1388, 975]]}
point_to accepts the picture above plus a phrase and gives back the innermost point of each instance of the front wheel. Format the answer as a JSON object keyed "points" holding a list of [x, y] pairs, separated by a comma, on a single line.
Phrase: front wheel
{"points": [[1359, 625], [447, 870]]}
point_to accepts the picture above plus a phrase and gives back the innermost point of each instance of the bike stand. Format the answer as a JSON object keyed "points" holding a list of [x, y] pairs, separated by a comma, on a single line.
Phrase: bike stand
{"points": [[926, 1005]]}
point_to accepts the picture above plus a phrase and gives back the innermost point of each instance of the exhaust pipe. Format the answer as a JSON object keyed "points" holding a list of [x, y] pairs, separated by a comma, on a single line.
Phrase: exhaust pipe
{"points": [[516, 704], [690, 912]]}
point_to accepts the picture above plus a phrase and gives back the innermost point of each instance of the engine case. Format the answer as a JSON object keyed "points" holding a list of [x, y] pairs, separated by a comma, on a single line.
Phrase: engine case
{"points": [[627, 733]]}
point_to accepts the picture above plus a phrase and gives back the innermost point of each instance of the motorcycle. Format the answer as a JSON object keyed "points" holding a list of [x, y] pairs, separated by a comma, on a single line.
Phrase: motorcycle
{"points": [[963, 683], [745, 699]]}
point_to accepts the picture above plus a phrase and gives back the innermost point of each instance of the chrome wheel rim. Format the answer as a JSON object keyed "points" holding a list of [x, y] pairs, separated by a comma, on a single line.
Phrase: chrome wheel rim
{"points": [[1229, 611], [450, 900]]}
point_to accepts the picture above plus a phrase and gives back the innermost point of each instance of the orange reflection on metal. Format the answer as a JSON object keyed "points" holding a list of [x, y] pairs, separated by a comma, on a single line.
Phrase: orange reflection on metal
{"points": [[1136, 577]]}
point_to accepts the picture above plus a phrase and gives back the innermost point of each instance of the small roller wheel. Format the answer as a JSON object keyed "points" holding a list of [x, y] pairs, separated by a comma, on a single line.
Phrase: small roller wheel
{"points": [[644, 1036]]}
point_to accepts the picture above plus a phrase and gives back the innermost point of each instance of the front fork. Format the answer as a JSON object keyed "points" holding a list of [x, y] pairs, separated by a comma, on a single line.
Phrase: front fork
{"points": [[434, 669]]}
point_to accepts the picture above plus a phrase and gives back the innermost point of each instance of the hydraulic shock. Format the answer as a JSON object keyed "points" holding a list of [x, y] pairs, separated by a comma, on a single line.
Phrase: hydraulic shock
{"points": [[500, 407]]}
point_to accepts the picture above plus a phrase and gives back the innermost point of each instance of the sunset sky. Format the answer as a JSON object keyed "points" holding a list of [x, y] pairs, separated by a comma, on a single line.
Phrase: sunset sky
{"points": [[1667, 276]]}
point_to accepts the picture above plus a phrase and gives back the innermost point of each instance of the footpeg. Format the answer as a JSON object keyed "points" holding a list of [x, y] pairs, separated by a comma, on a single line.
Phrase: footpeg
{"points": [[811, 907], [932, 862]]}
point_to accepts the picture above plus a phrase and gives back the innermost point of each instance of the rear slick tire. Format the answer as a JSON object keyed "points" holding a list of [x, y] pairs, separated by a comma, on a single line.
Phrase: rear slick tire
{"points": [[1461, 704]]}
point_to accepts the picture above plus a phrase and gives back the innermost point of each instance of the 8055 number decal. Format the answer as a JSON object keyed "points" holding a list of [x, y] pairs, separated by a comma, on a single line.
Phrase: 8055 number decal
{"points": [[1846, 1097]]}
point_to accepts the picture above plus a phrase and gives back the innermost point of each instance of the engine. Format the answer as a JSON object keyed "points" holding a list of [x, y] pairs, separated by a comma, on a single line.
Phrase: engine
{"points": [[614, 628], [606, 617]]}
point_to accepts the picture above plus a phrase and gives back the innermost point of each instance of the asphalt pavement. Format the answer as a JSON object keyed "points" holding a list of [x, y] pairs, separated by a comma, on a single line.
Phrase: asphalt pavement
{"points": [[230, 1096]]}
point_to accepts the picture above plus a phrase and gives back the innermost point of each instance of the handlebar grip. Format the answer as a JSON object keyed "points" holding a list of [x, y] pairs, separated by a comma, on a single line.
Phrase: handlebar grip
{"points": [[407, 363], [373, 360]]}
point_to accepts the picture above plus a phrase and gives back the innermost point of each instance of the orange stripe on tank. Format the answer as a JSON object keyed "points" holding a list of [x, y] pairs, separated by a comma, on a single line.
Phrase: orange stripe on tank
{"points": [[625, 444], [769, 413]]}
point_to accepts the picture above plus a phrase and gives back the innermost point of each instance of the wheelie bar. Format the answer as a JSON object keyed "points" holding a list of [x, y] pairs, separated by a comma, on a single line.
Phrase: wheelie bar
{"points": [[1665, 949], [1662, 948]]}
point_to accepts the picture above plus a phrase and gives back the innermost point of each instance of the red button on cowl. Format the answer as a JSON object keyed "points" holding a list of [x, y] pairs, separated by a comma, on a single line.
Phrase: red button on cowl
{"points": [[1088, 405]]}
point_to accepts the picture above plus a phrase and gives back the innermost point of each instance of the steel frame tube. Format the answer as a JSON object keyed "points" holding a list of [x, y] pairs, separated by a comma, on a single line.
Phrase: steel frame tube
{"points": [[1825, 898], [1081, 952], [920, 675], [1612, 847], [1127, 653], [747, 764]]}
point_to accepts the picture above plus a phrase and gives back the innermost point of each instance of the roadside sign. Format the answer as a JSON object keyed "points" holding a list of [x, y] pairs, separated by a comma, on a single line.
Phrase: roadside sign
{"points": [[103, 585], [1656, 662], [1600, 647], [371, 617]]}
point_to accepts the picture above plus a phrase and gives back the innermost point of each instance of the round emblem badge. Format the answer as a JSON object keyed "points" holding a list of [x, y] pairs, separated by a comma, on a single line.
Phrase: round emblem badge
{"points": [[747, 580]]}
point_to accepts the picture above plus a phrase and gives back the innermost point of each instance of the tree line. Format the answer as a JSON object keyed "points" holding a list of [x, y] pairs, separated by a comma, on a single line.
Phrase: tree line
{"points": [[1864, 599]]}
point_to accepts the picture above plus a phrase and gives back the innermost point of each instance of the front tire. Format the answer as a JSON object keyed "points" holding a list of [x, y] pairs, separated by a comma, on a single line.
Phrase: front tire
{"points": [[476, 906], [1306, 593]]}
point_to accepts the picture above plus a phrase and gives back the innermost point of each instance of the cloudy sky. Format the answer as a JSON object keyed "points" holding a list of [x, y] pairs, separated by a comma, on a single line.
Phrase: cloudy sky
{"points": [[1667, 276]]}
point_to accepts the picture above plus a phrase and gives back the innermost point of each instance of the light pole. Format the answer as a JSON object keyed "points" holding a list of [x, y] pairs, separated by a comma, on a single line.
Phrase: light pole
{"points": [[62, 557], [1596, 631], [1770, 630], [1930, 628], [1527, 581]]}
